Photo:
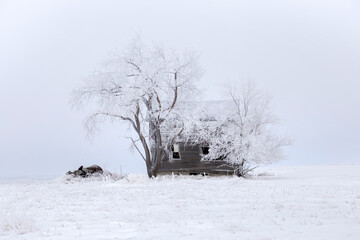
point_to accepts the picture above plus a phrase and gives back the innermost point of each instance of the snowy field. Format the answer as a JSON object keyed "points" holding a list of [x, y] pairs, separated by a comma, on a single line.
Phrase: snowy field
{"points": [[321, 202]]}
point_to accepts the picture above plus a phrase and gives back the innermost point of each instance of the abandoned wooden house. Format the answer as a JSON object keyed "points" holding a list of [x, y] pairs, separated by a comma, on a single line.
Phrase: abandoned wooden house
{"points": [[185, 158]]}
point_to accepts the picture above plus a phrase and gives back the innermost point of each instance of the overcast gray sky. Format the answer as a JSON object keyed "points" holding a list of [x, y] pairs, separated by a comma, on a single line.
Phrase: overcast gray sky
{"points": [[306, 53]]}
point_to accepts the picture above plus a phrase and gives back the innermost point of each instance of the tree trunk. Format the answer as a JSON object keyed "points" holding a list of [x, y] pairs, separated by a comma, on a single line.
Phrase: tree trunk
{"points": [[240, 172], [154, 164], [150, 172], [156, 150]]}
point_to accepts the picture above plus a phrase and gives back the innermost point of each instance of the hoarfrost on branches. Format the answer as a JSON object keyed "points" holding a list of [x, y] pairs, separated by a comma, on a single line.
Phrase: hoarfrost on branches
{"points": [[142, 86], [244, 135]]}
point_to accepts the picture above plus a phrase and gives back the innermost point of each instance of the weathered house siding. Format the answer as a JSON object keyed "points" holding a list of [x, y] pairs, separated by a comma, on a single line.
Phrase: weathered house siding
{"points": [[190, 162], [190, 154]]}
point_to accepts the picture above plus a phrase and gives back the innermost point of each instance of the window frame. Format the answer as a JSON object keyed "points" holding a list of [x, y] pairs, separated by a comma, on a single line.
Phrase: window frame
{"points": [[172, 148], [202, 150]]}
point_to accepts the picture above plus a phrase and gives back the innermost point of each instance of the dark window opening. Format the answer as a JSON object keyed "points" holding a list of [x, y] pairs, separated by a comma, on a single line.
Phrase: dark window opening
{"points": [[175, 149], [205, 150]]}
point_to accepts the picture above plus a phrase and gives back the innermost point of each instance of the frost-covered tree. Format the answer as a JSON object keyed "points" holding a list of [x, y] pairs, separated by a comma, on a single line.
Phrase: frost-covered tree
{"points": [[243, 134], [142, 86]]}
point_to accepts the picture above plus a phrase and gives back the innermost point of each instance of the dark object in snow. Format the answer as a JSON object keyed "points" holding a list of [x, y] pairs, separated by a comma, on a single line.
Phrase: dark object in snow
{"points": [[86, 172]]}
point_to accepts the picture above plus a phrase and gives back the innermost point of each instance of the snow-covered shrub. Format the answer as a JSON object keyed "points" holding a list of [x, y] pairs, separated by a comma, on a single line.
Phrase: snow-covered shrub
{"points": [[105, 176], [243, 136]]}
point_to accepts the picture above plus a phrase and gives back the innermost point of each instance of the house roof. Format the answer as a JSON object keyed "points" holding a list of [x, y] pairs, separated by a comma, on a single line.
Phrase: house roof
{"points": [[211, 110]]}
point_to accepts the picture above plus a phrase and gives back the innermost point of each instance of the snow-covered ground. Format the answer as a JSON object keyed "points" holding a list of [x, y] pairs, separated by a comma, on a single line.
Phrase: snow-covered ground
{"points": [[319, 202]]}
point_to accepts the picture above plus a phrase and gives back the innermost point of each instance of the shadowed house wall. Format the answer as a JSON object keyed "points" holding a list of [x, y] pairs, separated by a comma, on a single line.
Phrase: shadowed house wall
{"points": [[189, 162]]}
